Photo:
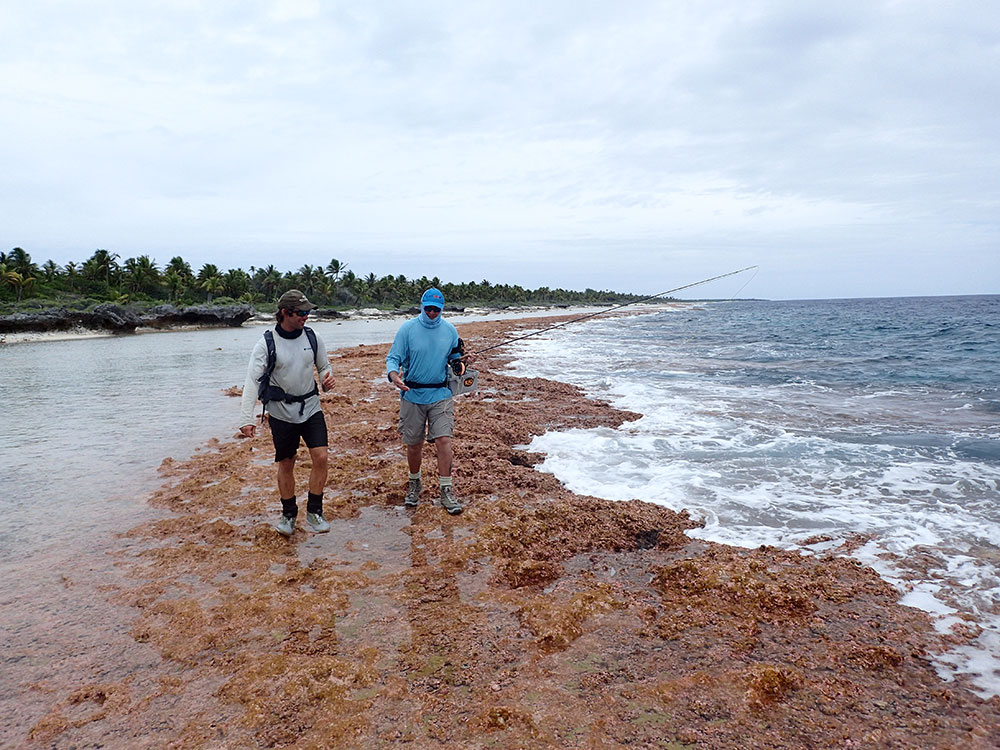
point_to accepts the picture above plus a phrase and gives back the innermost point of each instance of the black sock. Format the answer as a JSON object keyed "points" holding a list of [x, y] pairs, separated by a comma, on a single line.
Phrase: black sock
{"points": [[289, 507], [315, 503]]}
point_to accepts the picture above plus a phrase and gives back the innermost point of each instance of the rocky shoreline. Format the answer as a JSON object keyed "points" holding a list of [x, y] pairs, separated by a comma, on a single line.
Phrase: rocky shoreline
{"points": [[536, 619], [116, 319]]}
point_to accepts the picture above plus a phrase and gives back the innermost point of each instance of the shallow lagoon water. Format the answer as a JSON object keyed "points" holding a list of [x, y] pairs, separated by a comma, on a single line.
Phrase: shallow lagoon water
{"points": [[86, 424]]}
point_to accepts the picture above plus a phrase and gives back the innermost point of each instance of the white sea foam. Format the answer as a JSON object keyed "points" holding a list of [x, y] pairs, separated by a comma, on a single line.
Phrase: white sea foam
{"points": [[779, 463]]}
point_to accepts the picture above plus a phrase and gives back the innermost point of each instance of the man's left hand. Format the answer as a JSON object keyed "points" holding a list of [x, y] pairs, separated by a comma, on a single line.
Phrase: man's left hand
{"points": [[327, 382]]}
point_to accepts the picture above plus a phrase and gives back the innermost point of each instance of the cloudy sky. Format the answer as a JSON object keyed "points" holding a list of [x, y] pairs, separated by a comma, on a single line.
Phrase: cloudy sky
{"points": [[848, 148]]}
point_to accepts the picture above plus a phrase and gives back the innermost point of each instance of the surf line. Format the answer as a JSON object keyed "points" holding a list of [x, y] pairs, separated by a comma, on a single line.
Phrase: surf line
{"points": [[619, 307]]}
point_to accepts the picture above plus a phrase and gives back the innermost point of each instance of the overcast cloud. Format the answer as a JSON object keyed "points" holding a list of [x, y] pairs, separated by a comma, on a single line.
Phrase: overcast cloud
{"points": [[849, 148]]}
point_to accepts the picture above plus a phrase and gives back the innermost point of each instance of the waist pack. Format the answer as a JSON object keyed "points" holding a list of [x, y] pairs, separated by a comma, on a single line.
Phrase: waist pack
{"points": [[267, 392], [467, 382]]}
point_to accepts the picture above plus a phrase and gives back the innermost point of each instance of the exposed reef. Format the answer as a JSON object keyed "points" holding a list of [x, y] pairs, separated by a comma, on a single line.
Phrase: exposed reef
{"points": [[113, 318], [536, 619]]}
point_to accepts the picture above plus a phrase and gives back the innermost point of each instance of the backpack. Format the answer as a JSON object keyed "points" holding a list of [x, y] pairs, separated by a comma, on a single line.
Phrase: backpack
{"points": [[267, 392]]}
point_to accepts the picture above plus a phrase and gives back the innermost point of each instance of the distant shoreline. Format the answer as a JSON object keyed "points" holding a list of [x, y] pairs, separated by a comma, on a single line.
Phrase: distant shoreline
{"points": [[261, 319]]}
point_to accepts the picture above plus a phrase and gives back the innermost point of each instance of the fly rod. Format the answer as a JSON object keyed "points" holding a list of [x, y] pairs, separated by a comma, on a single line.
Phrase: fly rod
{"points": [[612, 309]]}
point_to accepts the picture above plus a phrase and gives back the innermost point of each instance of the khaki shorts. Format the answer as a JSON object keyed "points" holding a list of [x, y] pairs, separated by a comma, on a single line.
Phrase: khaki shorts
{"points": [[430, 421]]}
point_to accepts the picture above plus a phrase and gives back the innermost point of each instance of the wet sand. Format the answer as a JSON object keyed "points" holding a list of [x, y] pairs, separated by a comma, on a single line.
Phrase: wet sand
{"points": [[536, 619]]}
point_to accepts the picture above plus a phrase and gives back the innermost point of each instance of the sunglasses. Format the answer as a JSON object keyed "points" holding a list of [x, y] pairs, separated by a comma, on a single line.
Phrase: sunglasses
{"points": [[431, 309], [300, 313]]}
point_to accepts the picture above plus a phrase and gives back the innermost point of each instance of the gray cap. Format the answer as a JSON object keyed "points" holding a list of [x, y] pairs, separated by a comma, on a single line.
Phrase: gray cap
{"points": [[293, 299]]}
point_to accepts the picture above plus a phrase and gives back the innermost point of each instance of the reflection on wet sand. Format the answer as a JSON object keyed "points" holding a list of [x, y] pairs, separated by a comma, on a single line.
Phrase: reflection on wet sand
{"points": [[535, 619]]}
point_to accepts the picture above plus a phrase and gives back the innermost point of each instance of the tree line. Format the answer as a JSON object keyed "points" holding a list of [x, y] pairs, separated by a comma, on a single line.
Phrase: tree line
{"points": [[105, 277]]}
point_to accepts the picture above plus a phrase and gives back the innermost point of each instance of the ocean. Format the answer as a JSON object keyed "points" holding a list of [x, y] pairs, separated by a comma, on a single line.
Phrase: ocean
{"points": [[808, 425]]}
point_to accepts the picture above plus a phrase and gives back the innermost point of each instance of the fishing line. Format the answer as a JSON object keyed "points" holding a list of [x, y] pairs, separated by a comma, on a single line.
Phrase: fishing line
{"points": [[619, 307], [756, 270], [739, 291]]}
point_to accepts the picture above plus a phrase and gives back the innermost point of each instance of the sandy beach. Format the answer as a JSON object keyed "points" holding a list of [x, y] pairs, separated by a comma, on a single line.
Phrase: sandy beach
{"points": [[536, 619]]}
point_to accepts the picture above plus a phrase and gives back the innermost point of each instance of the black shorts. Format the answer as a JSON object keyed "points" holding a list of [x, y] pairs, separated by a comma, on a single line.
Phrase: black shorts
{"points": [[286, 435]]}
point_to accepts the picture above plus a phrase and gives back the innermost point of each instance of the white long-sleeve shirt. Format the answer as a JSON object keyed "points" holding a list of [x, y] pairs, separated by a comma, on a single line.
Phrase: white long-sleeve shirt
{"points": [[293, 373]]}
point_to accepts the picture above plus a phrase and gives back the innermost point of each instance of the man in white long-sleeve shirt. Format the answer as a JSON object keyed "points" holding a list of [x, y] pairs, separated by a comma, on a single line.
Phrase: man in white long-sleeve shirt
{"points": [[291, 400]]}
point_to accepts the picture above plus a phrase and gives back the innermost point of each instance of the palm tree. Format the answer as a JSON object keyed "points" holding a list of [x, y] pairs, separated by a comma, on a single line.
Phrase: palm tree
{"points": [[236, 282], [176, 283], [210, 280], [19, 260], [326, 291], [212, 285], [208, 270], [181, 267], [142, 274], [72, 271], [310, 277], [17, 281], [368, 287], [105, 263], [350, 281], [268, 280], [335, 269], [50, 269]]}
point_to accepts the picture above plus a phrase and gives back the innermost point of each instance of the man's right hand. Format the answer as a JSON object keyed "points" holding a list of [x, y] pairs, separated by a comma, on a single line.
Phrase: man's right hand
{"points": [[248, 430], [398, 381]]}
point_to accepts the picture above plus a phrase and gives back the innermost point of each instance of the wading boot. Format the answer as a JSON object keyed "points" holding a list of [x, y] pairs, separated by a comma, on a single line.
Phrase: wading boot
{"points": [[317, 522], [286, 525], [413, 494], [449, 502]]}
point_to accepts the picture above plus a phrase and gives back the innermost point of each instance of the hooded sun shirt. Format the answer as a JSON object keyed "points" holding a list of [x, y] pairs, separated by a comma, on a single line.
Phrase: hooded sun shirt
{"points": [[421, 350], [426, 322]]}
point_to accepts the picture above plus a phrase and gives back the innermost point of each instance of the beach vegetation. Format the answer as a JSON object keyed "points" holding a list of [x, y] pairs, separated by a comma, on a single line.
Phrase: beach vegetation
{"points": [[106, 277]]}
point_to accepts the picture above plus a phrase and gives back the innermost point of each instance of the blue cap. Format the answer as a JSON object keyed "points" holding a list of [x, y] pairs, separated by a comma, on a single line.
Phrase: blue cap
{"points": [[432, 298]]}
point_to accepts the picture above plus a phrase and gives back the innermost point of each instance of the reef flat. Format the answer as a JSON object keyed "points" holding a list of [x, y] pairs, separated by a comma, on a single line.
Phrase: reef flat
{"points": [[535, 619]]}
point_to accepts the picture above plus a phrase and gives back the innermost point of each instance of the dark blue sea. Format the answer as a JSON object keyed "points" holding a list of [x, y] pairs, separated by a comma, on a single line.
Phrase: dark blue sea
{"points": [[868, 427]]}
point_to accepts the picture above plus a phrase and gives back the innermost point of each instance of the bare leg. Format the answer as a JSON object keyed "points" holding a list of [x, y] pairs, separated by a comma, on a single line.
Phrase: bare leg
{"points": [[414, 454], [444, 456], [318, 473], [286, 477]]}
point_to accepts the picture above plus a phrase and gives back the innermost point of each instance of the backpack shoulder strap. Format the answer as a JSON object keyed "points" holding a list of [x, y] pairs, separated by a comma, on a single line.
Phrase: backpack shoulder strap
{"points": [[272, 356], [311, 335], [265, 379]]}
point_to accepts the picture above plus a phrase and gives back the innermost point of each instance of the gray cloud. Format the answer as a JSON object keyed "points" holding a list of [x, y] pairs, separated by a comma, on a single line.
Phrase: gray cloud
{"points": [[567, 144]]}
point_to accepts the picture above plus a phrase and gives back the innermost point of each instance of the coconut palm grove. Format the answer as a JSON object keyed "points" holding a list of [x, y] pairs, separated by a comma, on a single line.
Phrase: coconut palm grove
{"points": [[140, 281]]}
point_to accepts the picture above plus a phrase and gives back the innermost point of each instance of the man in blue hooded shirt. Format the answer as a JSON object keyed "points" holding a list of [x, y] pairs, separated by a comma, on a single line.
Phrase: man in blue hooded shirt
{"points": [[417, 365]]}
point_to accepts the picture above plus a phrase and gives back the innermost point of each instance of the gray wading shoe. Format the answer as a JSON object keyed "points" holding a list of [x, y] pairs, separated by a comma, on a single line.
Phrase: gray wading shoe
{"points": [[317, 522], [413, 494], [449, 502], [285, 526]]}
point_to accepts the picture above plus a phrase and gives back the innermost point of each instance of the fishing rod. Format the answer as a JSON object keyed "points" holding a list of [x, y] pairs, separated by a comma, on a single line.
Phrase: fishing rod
{"points": [[612, 309]]}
